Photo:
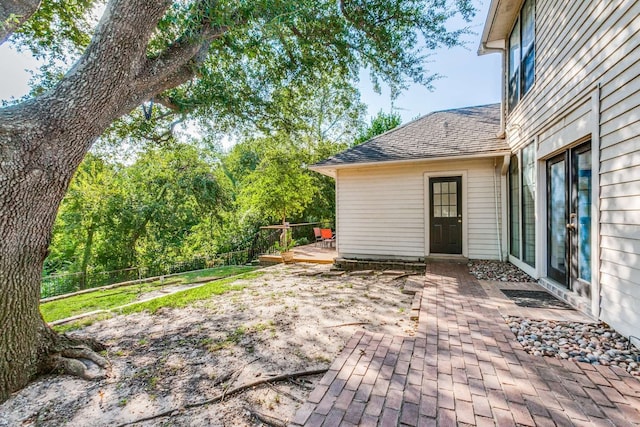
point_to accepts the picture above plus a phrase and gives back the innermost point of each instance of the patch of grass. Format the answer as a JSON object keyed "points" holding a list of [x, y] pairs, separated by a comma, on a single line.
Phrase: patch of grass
{"points": [[322, 359], [79, 324], [98, 300], [261, 327], [187, 296], [108, 299], [232, 338]]}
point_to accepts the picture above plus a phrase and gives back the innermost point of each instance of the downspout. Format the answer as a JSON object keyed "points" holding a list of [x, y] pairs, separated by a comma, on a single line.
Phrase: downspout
{"points": [[495, 198]]}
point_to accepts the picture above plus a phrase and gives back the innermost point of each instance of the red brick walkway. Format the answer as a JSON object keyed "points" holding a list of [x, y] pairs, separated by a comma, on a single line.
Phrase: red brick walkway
{"points": [[464, 368]]}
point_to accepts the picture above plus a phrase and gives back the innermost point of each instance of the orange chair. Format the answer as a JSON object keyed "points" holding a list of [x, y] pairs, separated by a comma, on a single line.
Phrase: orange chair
{"points": [[318, 235], [328, 238]]}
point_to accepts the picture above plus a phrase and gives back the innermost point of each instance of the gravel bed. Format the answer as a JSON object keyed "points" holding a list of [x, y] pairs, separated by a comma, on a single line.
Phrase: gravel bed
{"points": [[496, 270], [594, 343]]}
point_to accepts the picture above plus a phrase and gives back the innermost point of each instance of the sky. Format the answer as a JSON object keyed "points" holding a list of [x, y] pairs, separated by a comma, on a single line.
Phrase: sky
{"points": [[468, 79]]}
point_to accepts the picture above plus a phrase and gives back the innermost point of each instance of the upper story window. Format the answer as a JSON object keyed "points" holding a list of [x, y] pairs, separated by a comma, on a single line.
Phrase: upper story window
{"points": [[522, 54]]}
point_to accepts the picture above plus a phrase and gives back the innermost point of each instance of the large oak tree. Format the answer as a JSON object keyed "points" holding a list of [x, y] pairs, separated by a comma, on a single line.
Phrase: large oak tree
{"points": [[217, 58]]}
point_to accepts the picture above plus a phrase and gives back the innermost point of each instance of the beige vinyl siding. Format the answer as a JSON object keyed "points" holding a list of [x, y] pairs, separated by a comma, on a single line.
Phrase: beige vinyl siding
{"points": [[580, 45], [381, 209]]}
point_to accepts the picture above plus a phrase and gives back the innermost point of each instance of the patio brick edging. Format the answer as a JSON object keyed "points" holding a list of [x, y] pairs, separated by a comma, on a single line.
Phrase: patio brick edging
{"points": [[363, 264]]}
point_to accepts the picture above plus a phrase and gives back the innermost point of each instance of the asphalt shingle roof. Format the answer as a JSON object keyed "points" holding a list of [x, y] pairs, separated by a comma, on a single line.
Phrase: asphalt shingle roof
{"points": [[457, 132]]}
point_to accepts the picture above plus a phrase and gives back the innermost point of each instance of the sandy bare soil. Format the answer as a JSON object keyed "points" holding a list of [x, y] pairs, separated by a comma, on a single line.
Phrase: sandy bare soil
{"points": [[285, 321]]}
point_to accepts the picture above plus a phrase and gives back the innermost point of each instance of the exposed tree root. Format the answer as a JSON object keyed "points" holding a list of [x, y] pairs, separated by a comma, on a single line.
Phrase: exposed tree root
{"points": [[65, 354], [284, 393], [266, 419], [221, 396]]}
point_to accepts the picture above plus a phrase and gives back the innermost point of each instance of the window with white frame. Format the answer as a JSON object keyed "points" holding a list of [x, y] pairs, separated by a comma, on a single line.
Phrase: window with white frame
{"points": [[522, 54]]}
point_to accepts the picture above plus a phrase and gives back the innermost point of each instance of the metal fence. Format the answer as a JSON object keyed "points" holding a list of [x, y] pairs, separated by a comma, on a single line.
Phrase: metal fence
{"points": [[59, 284]]}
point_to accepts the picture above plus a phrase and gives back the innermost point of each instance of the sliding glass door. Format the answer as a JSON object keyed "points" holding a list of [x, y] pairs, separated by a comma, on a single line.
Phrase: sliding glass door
{"points": [[569, 202]]}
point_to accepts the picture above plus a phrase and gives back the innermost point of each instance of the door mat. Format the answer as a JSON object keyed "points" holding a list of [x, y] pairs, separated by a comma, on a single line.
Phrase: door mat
{"points": [[535, 299]]}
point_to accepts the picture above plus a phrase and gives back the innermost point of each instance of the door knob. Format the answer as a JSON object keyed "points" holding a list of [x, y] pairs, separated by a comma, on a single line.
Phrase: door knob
{"points": [[572, 222]]}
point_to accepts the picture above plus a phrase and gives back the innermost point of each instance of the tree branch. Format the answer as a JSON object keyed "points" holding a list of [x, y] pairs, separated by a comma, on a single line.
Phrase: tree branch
{"points": [[13, 13], [179, 62], [166, 102]]}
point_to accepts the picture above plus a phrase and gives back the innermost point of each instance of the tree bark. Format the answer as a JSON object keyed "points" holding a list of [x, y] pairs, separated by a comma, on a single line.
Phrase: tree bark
{"points": [[42, 142], [86, 255], [13, 13]]}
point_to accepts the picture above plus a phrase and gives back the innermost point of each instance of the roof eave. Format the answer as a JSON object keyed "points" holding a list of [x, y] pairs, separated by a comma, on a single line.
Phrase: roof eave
{"points": [[501, 16], [331, 170]]}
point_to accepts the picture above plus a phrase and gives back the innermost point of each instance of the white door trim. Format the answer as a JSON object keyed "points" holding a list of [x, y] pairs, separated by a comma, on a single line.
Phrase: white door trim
{"points": [[465, 217]]}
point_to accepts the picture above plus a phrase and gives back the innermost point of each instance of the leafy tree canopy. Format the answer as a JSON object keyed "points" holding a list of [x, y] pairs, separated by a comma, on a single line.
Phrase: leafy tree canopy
{"points": [[257, 59], [381, 123]]}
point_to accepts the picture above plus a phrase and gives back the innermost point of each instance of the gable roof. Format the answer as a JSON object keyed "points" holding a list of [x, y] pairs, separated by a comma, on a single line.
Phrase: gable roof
{"points": [[458, 132]]}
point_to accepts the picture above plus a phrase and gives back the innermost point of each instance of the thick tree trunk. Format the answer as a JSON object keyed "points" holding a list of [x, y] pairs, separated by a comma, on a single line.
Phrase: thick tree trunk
{"points": [[86, 255], [42, 142], [34, 174]]}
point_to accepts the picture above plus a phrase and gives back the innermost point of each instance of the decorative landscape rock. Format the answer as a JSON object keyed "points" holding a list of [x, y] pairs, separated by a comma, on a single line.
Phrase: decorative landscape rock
{"points": [[594, 343], [496, 270]]}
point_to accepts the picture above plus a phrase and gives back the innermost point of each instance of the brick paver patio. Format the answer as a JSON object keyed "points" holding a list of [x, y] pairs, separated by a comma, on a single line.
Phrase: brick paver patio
{"points": [[464, 367]]}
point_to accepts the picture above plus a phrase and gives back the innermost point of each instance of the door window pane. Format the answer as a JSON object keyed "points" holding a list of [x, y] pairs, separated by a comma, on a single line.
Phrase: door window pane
{"points": [[557, 217], [583, 176], [445, 200], [528, 205]]}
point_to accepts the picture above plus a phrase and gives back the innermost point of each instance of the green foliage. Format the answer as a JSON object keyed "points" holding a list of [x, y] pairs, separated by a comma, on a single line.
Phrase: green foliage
{"points": [[160, 209], [380, 124], [279, 187], [273, 54]]}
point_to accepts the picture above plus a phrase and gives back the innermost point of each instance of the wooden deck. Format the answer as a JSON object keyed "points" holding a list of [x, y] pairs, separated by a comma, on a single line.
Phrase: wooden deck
{"points": [[308, 253]]}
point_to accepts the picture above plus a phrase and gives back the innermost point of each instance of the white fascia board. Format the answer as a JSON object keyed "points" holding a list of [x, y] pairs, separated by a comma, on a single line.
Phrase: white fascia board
{"points": [[330, 170], [484, 48]]}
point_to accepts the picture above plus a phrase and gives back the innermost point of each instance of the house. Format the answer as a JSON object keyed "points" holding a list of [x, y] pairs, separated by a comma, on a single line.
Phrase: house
{"points": [[559, 162], [430, 186]]}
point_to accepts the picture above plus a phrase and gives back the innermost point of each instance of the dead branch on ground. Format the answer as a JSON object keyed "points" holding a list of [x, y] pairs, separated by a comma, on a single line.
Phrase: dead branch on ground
{"points": [[346, 324], [265, 419]]}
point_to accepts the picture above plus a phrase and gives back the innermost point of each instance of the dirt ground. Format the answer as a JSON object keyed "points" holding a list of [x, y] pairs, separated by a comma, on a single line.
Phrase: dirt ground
{"points": [[287, 320]]}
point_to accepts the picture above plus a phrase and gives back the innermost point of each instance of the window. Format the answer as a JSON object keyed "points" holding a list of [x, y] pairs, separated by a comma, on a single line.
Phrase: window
{"points": [[522, 213], [522, 54], [514, 207], [528, 205]]}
